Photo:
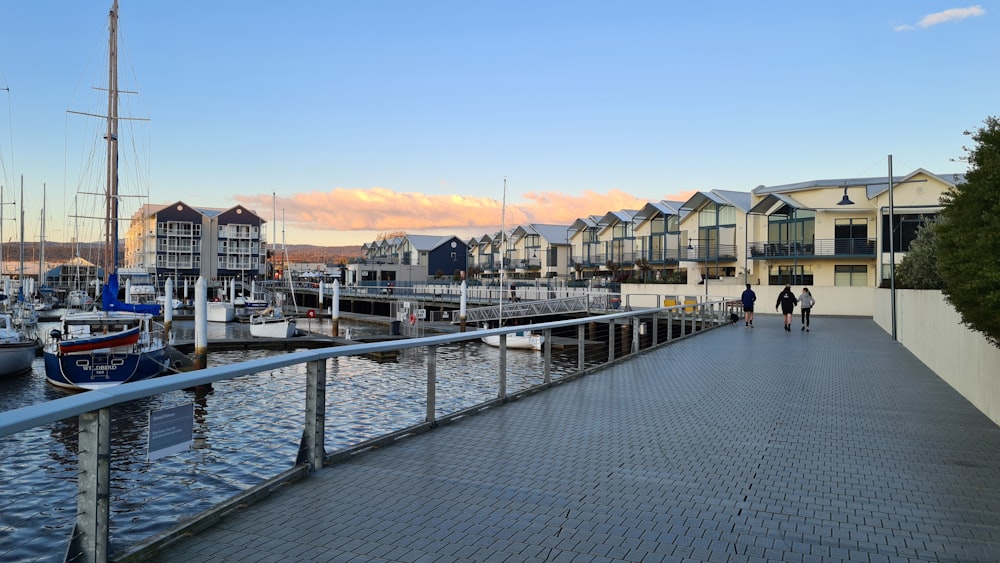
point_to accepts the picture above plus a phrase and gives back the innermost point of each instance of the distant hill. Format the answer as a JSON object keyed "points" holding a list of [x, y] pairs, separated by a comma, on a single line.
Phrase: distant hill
{"points": [[58, 252]]}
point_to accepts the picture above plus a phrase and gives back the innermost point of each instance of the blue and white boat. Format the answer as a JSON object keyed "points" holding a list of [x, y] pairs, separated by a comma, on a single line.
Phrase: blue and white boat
{"points": [[121, 342]]}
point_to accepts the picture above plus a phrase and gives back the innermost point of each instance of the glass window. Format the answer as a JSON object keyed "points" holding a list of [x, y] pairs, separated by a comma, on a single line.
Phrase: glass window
{"points": [[853, 276]]}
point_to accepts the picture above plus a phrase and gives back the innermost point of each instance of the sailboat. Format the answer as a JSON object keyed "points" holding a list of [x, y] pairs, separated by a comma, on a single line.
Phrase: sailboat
{"points": [[524, 340], [17, 350], [272, 322], [120, 343]]}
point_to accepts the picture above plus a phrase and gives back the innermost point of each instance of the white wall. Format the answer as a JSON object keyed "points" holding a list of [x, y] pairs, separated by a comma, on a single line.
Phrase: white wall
{"points": [[841, 301], [928, 326]]}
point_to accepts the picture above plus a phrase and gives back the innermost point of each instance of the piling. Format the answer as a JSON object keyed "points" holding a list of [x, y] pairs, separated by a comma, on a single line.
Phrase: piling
{"points": [[335, 310], [200, 323], [168, 309], [461, 309]]}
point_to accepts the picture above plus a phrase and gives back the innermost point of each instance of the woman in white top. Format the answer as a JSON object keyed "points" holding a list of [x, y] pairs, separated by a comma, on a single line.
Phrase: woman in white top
{"points": [[806, 301]]}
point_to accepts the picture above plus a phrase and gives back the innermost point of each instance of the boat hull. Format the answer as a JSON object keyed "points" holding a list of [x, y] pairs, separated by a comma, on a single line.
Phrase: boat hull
{"points": [[16, 357], [220, 312], [272, 328], [517, 340], [97, 369]]}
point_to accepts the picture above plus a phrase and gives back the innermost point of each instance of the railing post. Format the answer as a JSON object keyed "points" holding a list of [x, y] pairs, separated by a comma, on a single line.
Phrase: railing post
{"points": [[431, 384], [635, 335], [656, 329], [89, 543], [547, 353], [312, 449], [502, 391], [670, 325], [581, 332], [611, 341]]}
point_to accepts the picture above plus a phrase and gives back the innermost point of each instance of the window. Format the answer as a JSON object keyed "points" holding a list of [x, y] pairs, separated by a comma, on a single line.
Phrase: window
{"points": [[793, 274], [906, 227], [852, 237], [853, 276]]}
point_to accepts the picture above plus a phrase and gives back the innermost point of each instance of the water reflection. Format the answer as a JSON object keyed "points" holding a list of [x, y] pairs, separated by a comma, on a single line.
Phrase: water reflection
{"points": [[246, 430]]}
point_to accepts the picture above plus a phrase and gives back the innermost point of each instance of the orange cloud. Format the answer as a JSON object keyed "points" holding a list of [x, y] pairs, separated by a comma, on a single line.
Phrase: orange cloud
{"points": [[381, 209]]}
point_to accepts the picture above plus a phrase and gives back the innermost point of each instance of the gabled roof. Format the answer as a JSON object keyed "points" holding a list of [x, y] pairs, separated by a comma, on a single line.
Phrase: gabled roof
{"points": [[552, 234], [612, 217], [426, 243], [584, 223], [775, 203], [874, 186], [664, 207], [739, 200]]}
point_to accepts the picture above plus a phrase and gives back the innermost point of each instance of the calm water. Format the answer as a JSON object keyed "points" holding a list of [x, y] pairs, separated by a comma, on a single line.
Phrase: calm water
{"points": [[246, 430]]}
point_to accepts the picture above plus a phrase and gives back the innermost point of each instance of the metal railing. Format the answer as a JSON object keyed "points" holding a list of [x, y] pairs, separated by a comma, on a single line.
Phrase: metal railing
{"points": [[598, 340], [839, 247]]}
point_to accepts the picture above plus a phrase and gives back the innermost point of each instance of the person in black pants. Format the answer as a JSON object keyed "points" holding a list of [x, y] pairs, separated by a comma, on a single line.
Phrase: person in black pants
{"points": [[806, 302], [787, 302]]}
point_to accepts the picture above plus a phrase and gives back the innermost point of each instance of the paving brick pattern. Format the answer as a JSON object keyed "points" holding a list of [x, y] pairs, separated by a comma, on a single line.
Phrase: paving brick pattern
{"points": [[735, 445]]}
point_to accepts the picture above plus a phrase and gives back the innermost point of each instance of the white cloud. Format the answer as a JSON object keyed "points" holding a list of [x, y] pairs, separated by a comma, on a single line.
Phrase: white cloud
{"points": [[954, 14]]}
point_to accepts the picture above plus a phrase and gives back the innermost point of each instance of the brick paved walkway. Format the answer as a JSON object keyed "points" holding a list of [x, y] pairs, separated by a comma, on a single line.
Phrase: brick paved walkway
{"points": [[735, 445]]}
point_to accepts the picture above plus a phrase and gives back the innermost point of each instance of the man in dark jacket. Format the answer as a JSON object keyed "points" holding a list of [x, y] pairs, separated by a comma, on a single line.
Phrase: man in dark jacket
{"points": [[787, 302], [748, 297]]}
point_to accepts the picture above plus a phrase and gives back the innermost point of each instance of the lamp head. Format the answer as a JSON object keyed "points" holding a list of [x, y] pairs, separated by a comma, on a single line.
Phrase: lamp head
{"points": [[845, 200]]}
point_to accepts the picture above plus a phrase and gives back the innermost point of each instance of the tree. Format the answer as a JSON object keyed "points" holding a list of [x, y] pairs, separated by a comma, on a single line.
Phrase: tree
{"points": [[919, 270], [968, 238], [643, 265]]}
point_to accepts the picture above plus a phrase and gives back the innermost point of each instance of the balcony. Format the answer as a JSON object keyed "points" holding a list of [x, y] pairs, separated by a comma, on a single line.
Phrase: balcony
{"points": [[819, 248], [708, 253]]}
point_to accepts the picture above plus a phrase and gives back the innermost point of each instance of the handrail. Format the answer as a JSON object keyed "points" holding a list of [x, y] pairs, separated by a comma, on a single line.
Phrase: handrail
{"points": [[91, 537]]}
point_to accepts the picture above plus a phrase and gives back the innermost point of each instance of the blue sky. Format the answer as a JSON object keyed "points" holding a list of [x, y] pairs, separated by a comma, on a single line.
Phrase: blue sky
{"points": [[376, 116]]}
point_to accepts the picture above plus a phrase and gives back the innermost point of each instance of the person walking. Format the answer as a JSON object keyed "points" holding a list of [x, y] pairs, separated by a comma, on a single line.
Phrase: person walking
{"points": [[787, 302], [748, 297], [806, 301]]}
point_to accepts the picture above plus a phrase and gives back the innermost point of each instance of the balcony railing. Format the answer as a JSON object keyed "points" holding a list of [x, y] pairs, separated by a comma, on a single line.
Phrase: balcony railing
{"points": [[708, 252], [839, 247]]}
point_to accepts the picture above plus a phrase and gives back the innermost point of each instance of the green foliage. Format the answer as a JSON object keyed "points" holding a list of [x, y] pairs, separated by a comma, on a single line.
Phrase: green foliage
{"points": [[968, 239], [919, 269]]}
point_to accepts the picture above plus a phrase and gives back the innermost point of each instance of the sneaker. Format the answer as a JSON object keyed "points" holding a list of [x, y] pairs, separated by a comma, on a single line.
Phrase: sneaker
{"points": [[803, 328], [807, 330]]}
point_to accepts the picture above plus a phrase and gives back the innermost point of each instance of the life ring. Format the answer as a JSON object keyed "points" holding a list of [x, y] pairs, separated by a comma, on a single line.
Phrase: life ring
{"points": [[311, 314], [413, 319]]}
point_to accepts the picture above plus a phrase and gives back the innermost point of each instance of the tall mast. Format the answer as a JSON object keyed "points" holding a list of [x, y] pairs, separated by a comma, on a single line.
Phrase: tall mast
{"points": [[503, 247], [41, 245], [20, 273], [111, 195]]}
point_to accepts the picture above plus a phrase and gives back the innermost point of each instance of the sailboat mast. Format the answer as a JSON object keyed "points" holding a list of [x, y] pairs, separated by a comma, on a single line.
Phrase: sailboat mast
{"points": [[111, 196], [503, 247], [41, 244], [20, 273]]}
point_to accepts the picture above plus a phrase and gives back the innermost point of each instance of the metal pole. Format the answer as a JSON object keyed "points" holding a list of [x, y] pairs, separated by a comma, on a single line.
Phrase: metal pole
{"points": [[892, 253], [431, 384]]}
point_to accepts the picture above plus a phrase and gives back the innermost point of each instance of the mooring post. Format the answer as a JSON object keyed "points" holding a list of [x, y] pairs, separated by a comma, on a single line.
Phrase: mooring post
{"points": [[200, 323], [462, 306], [335, 310], [168, 310]]}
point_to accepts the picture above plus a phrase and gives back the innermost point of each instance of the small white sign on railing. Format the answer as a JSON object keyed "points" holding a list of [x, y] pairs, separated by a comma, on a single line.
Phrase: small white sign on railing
{"points": [[171, 431]]}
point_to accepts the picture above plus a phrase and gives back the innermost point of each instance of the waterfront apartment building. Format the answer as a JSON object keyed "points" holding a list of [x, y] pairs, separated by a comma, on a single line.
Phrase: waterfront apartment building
{"points": [[410, 258], [836, 232], [183, 242]]}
